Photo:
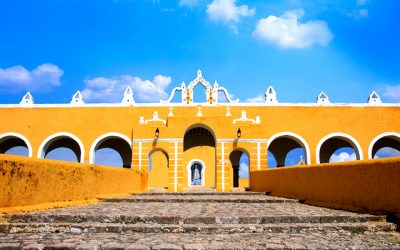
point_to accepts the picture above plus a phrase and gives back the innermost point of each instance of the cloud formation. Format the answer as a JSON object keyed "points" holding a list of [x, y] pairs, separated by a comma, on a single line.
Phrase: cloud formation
{"points": [[257, 99], [343, 156], [103, 89], [227, 12], [287, 32], [393, 92], [42, 78]]}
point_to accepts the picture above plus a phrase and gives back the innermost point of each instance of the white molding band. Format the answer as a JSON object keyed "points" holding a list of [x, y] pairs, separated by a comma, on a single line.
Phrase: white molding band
{"points": [[292, 135], [46, 142], [348, 138], [8, 135], [223, 165], [377, 138], [232, 104], [176, 168], [103, 137]]}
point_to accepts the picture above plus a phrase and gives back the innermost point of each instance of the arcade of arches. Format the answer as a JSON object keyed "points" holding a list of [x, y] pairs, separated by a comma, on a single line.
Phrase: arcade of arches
{"points": [[209, 144]]}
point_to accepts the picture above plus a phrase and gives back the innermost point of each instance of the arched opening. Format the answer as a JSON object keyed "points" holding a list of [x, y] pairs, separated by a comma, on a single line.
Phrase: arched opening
{"points": [[338, 147], [199, 148], [240, 161], [287, 149], [385, 145], [63, 147], [158, 169], [15, 144], [199, 93], [112, 150]]}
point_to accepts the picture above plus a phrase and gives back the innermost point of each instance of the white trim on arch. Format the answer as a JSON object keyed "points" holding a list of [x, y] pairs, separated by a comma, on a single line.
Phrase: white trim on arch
{"points": [[296, 136], [347, 138], [43, 146], [377, 138], [19, 136], [189, 171], [101, 139]]}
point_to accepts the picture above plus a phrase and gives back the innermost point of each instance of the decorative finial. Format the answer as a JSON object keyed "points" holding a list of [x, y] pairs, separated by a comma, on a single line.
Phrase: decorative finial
{"points": [[374, 98], [199, 73], [27, 99], [199, 111], [228, 111], [77, 98], [170, 112], [128, 96], [322, 99]]}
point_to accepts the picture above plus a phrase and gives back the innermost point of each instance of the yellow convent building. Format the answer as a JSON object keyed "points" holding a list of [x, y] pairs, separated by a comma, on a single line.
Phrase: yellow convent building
{"points": [[185, 144]]}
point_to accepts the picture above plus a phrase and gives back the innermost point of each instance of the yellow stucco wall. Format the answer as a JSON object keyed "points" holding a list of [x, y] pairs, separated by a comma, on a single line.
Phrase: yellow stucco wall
{"points": [[158, 176], [26, 181], [311, 123], [364, 186]]}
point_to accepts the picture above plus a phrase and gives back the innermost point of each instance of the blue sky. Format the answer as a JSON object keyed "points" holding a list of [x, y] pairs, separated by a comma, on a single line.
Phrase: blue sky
{"points": [[54, 48]]}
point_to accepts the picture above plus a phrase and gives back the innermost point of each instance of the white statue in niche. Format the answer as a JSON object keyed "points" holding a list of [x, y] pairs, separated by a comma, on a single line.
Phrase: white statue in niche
{"points": [[196, 174]]}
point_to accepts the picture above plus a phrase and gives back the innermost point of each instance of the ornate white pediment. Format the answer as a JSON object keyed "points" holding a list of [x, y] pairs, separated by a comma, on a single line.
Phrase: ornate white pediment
{"points": [[211, 91]]}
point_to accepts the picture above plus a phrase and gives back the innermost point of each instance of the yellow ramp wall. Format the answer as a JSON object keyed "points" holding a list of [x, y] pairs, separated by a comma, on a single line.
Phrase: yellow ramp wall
{"points": [[26, 181], [364, 186]]}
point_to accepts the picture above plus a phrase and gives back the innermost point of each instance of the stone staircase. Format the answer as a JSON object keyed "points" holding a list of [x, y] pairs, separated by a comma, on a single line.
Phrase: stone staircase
{"points": [[197, 220]]}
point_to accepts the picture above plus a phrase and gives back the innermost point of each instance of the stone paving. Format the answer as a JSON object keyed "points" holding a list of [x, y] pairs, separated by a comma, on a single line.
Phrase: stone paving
{"points": [[180, 221]]}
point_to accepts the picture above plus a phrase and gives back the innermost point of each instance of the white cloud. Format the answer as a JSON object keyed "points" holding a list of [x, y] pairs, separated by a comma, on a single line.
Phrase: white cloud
{"points": [[287, 32], [102, 89], [393, 92], [386, 152], [343, 156], [43, 77], [188, 3], [228, 12], [257, 99]]}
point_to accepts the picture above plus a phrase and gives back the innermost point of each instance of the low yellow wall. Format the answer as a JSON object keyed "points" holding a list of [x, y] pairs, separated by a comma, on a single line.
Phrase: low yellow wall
{"points": [[364, 186], [28, 181]]}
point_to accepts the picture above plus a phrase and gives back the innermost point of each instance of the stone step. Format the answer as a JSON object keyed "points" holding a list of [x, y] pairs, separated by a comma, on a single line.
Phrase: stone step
{"points": [[180, 220], [79, 228], [189, 241], [247, 193], [201, 199]]}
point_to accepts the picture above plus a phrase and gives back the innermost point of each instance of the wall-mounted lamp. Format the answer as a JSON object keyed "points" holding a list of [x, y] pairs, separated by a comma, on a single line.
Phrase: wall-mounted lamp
{"points": [[157, 133], [239, 133]]}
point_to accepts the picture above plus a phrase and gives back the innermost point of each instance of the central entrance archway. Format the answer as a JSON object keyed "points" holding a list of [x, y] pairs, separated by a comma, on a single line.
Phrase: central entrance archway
{"points": [[199, 156]]}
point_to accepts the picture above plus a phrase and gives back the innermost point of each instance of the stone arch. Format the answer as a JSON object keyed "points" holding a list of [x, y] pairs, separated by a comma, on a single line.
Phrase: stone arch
{"points": [[198, 129], [234, 158], [11, 139], [116, 141], [199, 143], [330, 143], [282, 143], [158, 168], [388, 139], [62, 139]]}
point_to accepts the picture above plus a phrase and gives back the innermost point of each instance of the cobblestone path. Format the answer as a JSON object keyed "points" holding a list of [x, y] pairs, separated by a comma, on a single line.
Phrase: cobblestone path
{"points": [[197, 221]]}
